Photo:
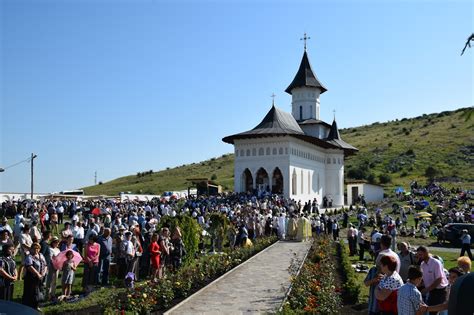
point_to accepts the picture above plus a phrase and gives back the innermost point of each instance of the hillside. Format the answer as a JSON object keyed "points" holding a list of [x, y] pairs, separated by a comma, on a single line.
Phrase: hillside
{"points": [[391, 153]]}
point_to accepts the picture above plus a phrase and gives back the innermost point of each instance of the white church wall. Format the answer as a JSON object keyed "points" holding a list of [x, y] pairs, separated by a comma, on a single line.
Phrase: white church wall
{"points": [[307, 163], [335, 177], [266, 153]]}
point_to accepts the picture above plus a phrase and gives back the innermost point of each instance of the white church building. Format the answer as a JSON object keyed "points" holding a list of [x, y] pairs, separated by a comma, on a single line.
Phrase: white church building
{"points": [[297, 155]]}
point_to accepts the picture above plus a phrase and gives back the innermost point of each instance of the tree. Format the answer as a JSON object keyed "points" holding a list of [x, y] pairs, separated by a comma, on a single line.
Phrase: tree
{"points": [[431, 172]]}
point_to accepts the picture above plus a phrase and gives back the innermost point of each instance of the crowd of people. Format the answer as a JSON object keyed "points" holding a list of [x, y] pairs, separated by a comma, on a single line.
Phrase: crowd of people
{"points": [[126, 241], [407, 280], [52, 239]]}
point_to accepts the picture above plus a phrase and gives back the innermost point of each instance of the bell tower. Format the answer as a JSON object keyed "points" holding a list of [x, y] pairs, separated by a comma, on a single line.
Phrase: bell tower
{"points": [[305, 90]]}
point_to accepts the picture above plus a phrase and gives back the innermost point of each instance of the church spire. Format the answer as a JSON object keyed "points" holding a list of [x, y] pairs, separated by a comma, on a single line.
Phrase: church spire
{"points": [[305, 76], [334, 132]]}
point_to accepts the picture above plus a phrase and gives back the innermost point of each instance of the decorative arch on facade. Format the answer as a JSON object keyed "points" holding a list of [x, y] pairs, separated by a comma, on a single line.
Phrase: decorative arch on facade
{"points": [[247, 181], [294, 185], [262, 179], [277, 181]]}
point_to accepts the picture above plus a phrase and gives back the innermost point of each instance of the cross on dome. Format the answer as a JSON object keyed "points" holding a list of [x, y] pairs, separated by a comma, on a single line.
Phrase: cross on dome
{"points": [[305, 38], [273, 99]]}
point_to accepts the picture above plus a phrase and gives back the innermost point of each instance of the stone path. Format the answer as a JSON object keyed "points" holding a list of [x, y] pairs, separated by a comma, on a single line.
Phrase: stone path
{"points": [[257, 286]]}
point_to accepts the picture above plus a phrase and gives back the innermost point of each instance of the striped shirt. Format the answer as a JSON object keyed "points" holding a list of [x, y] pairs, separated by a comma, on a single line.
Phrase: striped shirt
{"points": [[409, 299]]}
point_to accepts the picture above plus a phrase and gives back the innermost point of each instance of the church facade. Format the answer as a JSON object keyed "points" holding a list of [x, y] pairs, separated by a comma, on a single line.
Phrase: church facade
{"points": [[297, 155]]}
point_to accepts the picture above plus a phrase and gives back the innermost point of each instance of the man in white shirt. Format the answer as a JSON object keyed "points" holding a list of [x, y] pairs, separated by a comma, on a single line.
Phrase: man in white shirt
{"points": [[385, 242]]}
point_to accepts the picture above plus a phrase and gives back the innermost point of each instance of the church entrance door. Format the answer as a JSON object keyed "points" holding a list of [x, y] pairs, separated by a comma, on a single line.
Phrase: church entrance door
{"points": [[263, 182], [277, 182], [247, 181]]}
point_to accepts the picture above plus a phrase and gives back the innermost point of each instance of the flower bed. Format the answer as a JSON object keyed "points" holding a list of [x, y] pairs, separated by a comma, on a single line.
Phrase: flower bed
{"points": [[148, 296], [315, 289]]}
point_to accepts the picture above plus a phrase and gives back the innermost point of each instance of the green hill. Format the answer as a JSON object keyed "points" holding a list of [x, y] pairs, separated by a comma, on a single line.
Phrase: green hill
{"points": [[391, 153]]}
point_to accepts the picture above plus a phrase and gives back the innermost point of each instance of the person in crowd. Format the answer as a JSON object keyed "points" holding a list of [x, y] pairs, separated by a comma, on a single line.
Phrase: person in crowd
{"points": [[69, 244], [407, 259], [352, 239], [165, 248], [464, 263], [372, 280], [178, 251], [35, 266], [4, 226], [66, 231], [386, 291], [52, 274], [54, 222], [434, 278], [69, 267], [78, 234], [361, 240], [91, 263], [8, 274], [105, 242], [25, 244], [454, 274], [5, 238], [466, 244], [155, 254], [35, 232], [409, 299], [385, 243]]}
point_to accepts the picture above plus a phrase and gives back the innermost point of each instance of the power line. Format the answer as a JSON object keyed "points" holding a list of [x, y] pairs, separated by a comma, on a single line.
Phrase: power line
{"points": [[24, 161]]}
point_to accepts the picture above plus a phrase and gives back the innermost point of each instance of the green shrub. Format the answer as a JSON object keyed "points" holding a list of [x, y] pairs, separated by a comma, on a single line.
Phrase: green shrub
{"points": [[351, 286]]}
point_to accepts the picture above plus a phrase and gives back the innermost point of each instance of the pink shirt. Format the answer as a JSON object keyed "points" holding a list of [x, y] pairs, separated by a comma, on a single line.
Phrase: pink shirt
{"points": [[92, 253], [432, 271]]}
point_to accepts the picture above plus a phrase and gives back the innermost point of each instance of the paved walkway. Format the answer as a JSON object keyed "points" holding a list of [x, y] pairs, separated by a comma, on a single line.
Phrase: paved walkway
{"points": [[257, 286]]}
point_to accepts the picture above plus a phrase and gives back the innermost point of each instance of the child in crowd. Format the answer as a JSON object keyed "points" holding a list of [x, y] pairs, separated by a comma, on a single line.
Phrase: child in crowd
{"points": [[68, 273]]}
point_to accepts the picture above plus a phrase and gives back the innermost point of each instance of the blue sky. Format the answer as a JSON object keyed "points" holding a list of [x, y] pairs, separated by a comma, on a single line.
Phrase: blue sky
{"points": [[119, 87]]}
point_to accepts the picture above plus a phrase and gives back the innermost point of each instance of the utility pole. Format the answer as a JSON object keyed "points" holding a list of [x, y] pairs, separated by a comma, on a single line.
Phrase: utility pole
{"points": [[95, 178], [33, 156]]}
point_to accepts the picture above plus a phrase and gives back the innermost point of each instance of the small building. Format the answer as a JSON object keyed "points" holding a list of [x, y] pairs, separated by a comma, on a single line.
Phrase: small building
{"points": [[371, 192], [204, 186]]}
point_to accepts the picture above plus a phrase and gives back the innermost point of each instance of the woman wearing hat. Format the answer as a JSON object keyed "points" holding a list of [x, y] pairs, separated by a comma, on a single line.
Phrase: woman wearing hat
{"points": [[52, 272], [35, 265]]}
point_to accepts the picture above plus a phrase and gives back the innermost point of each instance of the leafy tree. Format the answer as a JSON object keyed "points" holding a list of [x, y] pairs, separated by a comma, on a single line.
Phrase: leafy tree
{"points": [[431, 172]]}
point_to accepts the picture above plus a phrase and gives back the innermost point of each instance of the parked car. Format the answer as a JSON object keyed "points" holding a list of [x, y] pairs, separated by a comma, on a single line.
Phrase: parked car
{"points": [[454, 231]]}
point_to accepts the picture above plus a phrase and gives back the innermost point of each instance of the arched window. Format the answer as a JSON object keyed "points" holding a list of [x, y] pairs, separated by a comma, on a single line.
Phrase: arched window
{"points": [[280, 151], [293, 182], [268, 151], [242, 153], [301, 112], [261, 151], [248, 152], [286, 151], [236, 153], [254, 152], [275, 151], [311, 111]]}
